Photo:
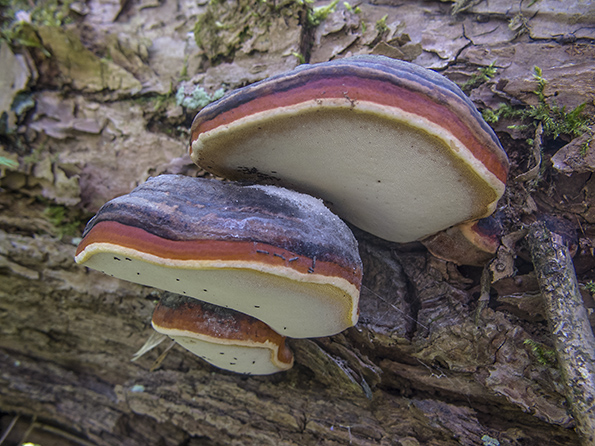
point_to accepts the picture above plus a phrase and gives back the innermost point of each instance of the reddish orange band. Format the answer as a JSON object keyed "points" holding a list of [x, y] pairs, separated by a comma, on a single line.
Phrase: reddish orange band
{"points": [[357, 89], [194, 318], [138, 239]]}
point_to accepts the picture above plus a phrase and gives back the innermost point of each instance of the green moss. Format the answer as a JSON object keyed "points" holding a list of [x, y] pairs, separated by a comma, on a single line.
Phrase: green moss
{"points": [[21, 18], [320, 13], [519, 24], [300, 57], [161, 100], [155, 102], [543, 355], [381, 26], [225, 25], [590, 287], [66, 221], [184, 71], [36, 154], [83, 69], [23, 34], [461, 6], [555, 120], [350, 8], [482, 75]]}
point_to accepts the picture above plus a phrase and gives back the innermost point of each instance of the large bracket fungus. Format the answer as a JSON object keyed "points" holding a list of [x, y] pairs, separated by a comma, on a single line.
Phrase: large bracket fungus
{"points": [[277, 255], [396, 149]]}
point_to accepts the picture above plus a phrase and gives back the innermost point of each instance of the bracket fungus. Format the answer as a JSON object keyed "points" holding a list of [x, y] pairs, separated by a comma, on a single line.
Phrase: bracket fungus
{"points": [[223, 337], [394, 148], [274, 254], [470, 243]]}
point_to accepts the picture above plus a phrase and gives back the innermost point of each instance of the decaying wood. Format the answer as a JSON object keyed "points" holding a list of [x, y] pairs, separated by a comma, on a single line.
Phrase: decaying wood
{"points": [[69, 334], [569, 325], [426, 365]]}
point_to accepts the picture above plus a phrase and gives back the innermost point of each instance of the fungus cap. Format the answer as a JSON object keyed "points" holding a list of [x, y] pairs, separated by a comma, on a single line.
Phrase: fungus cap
{"points": [[277, 255], [470, 243], [396, 149], [225, 338]]}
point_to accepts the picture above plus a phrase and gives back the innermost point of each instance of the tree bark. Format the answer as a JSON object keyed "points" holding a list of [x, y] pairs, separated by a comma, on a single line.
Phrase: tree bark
{"points": [[424, 365], [569, 325]]}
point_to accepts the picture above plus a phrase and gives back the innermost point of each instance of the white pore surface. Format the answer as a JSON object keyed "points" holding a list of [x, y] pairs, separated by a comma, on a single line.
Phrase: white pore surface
{"points": [[292, 308], [236, 358], [384, 176]]}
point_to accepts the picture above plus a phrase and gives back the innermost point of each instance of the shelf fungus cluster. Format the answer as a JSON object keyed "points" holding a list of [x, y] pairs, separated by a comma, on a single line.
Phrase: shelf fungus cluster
{"points": [[279, 259], [397, 150]]}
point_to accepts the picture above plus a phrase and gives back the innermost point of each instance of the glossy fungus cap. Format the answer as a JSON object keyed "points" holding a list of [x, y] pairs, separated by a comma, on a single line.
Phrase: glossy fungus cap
{"points": [[277, 255], [395, 149]]}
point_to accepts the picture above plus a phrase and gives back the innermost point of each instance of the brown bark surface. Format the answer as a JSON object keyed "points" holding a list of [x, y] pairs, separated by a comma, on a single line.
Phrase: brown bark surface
{"points": [[424, 366], [569, 325]]}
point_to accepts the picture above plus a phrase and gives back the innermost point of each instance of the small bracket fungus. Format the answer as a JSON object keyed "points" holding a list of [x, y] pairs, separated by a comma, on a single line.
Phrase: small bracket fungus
{"points": [[277, 255], [225, 338], [471, 243], [396, 149]]}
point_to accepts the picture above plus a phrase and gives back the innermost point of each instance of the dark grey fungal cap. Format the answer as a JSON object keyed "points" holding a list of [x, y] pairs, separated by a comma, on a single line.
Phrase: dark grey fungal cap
{"points": [[277, 255]]}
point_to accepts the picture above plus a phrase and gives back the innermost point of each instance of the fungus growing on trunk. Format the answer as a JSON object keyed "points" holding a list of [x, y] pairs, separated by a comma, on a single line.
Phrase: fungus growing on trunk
{"points": [[396, 149], [225, 338], [471, 243], [277, 255]]}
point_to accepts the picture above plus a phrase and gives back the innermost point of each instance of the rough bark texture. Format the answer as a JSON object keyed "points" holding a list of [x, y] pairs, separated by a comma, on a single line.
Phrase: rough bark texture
{"points": [[113, 105], [569, 324]]}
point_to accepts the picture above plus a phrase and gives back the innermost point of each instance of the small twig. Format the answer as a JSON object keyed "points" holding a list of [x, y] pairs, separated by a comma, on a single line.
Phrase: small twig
{"points": [[153, 341], [348, 431], [63, 434], [9, 428], [572, 333], [161, 357], [29, 429]]}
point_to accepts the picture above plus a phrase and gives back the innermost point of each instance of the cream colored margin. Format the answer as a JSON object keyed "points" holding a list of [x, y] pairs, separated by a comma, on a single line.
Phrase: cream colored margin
{"points": [[280, 271], [274, 348]]}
